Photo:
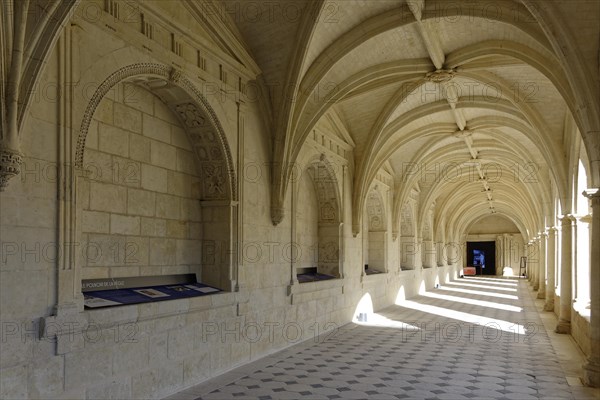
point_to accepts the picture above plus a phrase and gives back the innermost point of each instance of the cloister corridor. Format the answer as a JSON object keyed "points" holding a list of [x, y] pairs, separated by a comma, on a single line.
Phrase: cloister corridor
{"points": [[472, 338]]}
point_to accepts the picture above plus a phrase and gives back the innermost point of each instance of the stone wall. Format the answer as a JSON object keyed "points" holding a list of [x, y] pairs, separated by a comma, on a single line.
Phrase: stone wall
{"points": [[580, 329], [140, 213]]}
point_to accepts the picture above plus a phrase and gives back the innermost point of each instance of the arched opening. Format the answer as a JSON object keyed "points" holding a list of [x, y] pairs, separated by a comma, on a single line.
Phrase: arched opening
{"points": [[307, 233], [364, 309], [157, 189], [375, 234], [320, 227], [401, 296], [428, 250], [508, 242], [408, 245], [582, 251]]}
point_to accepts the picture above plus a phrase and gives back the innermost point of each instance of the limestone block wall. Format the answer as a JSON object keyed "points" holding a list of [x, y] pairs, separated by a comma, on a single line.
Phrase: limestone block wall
{"points": [[580, 329], [140, 213]]}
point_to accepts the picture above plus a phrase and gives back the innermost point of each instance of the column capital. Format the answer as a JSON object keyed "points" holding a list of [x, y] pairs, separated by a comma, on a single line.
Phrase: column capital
{"points": [[10, 165], [592, 193], [567, 219], [552, 230]]}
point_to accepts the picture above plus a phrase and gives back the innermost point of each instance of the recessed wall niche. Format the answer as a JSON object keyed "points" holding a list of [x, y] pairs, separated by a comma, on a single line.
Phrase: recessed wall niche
{"points": [[156, 196]]}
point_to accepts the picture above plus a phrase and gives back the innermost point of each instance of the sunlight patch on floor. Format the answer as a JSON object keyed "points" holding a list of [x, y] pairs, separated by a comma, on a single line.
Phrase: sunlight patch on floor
{"points": [[378, 320], [480, 293], [482, 303], [494, 280], [485, 281], [478, 286], [487, 322]]}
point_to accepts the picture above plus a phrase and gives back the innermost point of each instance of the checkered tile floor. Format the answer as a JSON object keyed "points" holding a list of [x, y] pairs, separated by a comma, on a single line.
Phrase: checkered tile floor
{"points": [[451, 343]]}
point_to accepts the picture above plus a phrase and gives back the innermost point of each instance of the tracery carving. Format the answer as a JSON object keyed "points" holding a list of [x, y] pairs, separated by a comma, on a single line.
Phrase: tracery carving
{"points": [[327, 212], [375, 211], [427, 229], [406, 221]]}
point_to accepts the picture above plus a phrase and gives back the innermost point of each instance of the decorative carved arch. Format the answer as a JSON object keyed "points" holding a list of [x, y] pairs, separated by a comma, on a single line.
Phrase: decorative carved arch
{"points": [[326, 186], [407, 221], [376, 211], [329, 217], [427, 230], [204, 130]]}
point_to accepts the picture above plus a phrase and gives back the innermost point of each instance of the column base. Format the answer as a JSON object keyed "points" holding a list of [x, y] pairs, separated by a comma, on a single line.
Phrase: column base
{"points": [[563, 327], [549, 306], [541, 295], [591, 374], [536, 286]]}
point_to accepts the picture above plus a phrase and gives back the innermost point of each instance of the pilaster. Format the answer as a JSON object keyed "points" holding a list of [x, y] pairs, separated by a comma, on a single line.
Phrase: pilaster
{"points": [[551, 268], [566, 274], [592, 365], [542, 266]]}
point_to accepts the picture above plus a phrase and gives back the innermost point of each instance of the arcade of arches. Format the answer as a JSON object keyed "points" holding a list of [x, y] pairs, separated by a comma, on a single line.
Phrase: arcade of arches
{"points": [[295, 156]]}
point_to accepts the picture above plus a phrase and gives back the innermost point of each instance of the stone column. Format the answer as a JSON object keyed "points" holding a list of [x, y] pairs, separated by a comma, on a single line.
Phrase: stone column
{"points": [[534, 260], [532, 264], [542, 266], [408, 250], [452, 253], [506, 247], [592, 366], [566, 274], [551, 268], [581, 292], [530, 270], [441, 254]]}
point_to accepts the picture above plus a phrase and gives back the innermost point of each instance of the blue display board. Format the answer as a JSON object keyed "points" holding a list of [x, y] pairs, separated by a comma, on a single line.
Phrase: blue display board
{"points": [[135, 295], [312, 277]]}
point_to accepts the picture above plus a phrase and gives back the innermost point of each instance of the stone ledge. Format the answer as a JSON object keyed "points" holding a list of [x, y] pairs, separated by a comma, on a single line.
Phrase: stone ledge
{"points": [[582, 310], [374, 279], [315, 290], [68, 330]]}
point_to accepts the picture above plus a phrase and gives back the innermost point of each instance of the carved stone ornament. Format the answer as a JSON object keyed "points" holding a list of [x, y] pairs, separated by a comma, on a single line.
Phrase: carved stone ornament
{"points": [[375, 222], [277, 215], [463, 134], [191, 116], [10, 166], [214, 182], [440, 75], [329, 252], [327, 212], [175, 75]]}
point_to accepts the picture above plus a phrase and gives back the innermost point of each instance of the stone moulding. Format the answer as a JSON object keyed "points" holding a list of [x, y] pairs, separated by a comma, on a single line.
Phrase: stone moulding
{"points": [[105, 86], [10, 166]]}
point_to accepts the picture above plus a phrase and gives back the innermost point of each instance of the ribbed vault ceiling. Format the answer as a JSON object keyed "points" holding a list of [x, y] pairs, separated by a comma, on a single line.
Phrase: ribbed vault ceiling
{"points": [[471, 93]]}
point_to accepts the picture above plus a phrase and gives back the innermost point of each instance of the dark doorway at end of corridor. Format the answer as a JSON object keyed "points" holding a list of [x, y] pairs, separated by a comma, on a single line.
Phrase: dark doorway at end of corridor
{"points": [[482, 256]]}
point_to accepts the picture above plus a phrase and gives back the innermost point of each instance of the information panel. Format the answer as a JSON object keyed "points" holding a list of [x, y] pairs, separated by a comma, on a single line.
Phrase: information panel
{"points": [[97, 295]]}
